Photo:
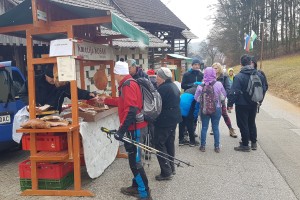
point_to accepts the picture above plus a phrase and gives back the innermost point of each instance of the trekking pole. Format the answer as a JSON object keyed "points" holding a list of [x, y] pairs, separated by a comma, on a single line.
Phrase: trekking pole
{"points": [[126, 139], [157, 152]]}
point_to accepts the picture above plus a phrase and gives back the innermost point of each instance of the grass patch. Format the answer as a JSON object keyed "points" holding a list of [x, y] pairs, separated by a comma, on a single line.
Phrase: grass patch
{"points": [[283, 76]]}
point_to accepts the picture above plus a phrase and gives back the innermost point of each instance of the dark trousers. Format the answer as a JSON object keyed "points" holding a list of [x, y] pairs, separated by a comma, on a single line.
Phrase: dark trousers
{"points": [[188, 123], [245, 117], [164, 141], [140, 179]]}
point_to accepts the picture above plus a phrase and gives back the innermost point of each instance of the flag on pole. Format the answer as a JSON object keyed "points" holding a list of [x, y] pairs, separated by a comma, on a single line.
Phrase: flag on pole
{"points": [[247, 42], [253, 37]]}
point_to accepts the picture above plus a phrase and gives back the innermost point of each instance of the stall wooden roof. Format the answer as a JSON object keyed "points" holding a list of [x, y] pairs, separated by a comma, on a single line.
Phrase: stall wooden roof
{"points": [[94, 6]]}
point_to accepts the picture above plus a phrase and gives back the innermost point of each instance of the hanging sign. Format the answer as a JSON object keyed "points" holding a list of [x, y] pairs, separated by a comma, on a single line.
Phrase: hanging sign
{"points": [[61, 47], [41, 15], [66, 68], [90, 51]]}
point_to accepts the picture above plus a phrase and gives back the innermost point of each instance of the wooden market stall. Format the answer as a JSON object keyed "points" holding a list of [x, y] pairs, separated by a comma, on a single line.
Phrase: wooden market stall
{"points": [[174, 62], [47, 20]]}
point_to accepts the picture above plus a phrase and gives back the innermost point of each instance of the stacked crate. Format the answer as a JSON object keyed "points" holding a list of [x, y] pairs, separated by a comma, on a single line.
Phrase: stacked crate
{"points": [[51, 175]]}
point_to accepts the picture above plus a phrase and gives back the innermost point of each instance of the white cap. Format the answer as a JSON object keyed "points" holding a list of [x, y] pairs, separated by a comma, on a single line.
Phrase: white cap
{"points": [[121, 68]]}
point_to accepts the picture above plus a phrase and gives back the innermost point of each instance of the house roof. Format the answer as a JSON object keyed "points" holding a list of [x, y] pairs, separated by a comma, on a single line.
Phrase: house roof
{"points": [[94, 5], [150, 11], [188, 34]]}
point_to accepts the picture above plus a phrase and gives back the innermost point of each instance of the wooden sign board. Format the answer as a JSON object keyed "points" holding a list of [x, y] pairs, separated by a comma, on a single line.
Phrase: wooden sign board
{"points": [[90, 51]]}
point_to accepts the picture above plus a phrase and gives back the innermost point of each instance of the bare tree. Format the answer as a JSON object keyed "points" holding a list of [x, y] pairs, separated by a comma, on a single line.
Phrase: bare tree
{"points": [[208, 51]]}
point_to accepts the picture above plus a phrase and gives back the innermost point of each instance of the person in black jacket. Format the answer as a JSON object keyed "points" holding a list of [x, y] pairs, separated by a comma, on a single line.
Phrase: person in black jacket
{"points": [[245, 108], [193, 75], [47, 93], [166, 122]]}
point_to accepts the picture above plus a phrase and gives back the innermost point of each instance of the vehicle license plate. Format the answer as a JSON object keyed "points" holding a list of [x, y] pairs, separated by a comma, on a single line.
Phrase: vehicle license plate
{"points": [[5, 119]]}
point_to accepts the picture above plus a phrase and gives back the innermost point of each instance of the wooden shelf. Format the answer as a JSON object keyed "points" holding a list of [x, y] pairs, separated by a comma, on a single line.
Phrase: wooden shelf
{"points": [[53, 129], [50, 156]]}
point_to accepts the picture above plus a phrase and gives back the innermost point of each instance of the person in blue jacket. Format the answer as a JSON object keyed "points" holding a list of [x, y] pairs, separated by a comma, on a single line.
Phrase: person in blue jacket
{"points": [[189, 110]]}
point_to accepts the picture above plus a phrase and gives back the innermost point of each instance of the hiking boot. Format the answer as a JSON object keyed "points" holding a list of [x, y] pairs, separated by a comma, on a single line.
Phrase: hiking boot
{"points": [[192, 144], [242, 148], [253, 146], [181, 143], [217, 149], [130, 191], [232, 133], [164, 178], [202, 148]]}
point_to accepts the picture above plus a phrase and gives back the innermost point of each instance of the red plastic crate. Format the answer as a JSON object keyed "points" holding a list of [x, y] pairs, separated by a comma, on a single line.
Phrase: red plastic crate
{"points": [[47, 142], [45, 170]]}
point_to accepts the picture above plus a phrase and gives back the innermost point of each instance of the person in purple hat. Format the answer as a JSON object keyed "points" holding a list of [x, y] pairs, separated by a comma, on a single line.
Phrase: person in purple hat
{"points": [[218, 94]]}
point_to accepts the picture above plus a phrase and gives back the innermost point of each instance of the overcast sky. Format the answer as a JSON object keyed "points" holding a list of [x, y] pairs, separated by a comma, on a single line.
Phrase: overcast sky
{"points": [[194, 15]]}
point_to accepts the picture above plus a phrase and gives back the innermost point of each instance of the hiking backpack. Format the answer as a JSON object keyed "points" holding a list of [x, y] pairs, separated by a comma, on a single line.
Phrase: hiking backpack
{"points": [[207, 99], [255, 88], [152, 102]]}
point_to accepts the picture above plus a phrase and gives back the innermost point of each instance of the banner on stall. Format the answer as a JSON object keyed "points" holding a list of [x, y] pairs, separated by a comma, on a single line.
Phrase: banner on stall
{"points": [[90, 51]]}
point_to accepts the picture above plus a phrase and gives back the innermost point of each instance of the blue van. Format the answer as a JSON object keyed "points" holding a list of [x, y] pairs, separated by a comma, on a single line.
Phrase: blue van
{"points": [[11, 80]]}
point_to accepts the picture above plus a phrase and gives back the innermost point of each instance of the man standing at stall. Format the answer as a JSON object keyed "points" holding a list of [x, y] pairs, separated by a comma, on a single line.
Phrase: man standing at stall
{"points": [[135, 71], [130, 103]]}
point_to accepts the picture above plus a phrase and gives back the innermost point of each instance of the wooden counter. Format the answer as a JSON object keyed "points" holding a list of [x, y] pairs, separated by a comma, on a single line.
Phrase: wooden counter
{"points": [[89, 117]]}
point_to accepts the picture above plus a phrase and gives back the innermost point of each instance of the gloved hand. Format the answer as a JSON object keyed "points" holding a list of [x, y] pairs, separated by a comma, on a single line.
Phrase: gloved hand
{"points": [[197, 83], [119, 136]]}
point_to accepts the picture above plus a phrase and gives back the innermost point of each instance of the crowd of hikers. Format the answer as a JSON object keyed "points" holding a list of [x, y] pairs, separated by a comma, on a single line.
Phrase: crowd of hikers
{"points": [[156, 110]]}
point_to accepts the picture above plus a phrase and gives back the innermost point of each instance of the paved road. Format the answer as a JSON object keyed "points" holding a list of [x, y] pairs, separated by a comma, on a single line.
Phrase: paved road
{"points": [[269, 173]]}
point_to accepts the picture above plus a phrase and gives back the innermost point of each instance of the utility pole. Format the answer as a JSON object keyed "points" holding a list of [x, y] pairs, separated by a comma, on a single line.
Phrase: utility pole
{"points": [[262, 44]]}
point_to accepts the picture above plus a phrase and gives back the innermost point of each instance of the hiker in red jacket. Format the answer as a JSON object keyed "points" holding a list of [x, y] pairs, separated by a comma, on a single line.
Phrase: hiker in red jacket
{"points": [[129, 105]]}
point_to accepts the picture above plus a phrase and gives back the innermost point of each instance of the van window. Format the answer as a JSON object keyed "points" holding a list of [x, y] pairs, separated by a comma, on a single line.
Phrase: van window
{"points": [[4, 86]]}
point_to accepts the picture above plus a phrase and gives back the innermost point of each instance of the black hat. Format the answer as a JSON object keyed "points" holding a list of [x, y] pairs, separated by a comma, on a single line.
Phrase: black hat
{"points": [[49, 71]]}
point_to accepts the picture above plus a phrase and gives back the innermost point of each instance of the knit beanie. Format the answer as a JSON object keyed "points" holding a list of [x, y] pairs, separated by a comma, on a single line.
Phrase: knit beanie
{"points": [[131, 62], [196, 61], [164, 73], [121, 68]]}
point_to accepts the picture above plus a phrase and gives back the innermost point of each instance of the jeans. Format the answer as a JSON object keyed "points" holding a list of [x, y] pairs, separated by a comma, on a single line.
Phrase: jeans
{"points": [[215, 119]]}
